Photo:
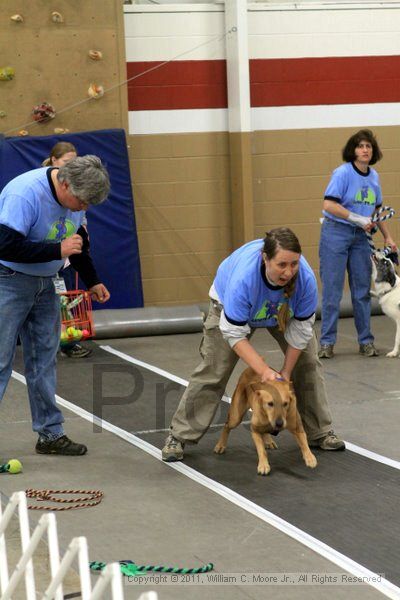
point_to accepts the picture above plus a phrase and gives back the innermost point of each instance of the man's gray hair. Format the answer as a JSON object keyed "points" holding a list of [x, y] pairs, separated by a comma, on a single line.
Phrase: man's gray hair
{"points": [[87, 178]]}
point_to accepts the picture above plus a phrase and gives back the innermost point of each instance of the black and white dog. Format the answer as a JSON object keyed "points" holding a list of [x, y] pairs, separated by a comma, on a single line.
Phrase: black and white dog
{"points": [[387, 290]]}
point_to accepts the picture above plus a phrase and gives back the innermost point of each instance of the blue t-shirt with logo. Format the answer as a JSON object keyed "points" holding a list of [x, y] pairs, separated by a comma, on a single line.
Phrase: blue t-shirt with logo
{"points": [[359, 192], [28, 206], [249, 298]]}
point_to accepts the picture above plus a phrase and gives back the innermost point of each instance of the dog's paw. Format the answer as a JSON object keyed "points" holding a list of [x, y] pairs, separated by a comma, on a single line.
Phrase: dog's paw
{"points": [[311, 461], [219, 449], [270, 444], [263, 468], [392, 354]]}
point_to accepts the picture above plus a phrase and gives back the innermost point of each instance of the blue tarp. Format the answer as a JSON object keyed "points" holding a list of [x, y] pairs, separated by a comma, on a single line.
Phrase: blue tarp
{"points": [[111, 226]]}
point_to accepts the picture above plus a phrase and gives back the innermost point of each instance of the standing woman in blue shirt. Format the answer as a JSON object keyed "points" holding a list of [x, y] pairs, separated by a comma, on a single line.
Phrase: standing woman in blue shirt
{"points": [[351, 198], [269, 284]]}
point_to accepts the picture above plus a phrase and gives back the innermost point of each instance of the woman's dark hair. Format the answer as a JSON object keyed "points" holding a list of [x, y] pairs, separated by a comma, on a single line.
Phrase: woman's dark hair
{"points": [[282, 238], [58, 151], [348, 152]]}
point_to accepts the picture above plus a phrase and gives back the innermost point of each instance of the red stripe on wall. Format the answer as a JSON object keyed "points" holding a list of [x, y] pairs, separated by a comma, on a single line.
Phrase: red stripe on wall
{"points": [[274, 82], [310, 81], [177, 85]]}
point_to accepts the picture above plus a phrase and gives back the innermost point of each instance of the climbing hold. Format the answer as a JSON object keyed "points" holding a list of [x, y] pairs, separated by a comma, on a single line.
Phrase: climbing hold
{"points": [[57, 17], [43, 112], [23, 132], [2, 114], [95, 54], [17, 18], [61, 130], [95, 91], [7, 73]]}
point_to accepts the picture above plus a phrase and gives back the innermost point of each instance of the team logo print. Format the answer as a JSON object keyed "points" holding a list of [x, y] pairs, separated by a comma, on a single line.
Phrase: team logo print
{"points": [[366, 195], [60, 230], [269, 310]]}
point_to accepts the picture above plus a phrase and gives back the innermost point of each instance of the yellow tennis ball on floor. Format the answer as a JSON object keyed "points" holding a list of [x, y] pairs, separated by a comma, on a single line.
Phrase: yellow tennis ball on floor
{"points": [[14, 466]]}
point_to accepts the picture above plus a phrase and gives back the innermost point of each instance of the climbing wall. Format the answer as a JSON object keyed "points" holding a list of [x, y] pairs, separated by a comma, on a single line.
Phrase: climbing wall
{"points": [[67, 54]]}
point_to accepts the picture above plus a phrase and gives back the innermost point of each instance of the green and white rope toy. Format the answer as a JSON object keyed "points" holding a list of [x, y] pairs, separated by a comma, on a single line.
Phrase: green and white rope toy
{"points": [[131, 569]]}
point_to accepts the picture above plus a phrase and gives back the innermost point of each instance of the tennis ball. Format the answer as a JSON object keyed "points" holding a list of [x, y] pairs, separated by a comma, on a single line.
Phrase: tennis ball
{"points": [[14, 466]]}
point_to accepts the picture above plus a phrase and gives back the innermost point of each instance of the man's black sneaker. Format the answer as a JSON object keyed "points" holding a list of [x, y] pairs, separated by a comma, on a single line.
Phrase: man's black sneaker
{"points": [[62, 445], [77, 351]]}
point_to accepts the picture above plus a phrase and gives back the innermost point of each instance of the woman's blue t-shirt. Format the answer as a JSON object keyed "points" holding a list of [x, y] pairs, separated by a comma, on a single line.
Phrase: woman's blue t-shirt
{"points": [[248, 297], [359, 192]]}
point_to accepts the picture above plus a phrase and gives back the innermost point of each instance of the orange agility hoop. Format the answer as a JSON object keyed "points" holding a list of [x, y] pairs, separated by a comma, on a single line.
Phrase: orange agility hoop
{"points": [[76, 316]]}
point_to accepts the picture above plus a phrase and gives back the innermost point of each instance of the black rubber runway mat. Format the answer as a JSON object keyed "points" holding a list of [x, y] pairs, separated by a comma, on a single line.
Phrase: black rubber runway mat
{"points": [[349, 502], [127, 396]]}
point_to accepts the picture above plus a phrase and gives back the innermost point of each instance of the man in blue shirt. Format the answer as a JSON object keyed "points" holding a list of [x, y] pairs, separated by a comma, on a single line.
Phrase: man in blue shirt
{"points": [[40, 226]]}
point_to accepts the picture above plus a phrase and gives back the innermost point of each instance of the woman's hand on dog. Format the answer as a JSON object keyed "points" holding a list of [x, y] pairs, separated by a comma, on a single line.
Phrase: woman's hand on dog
{"points": [[285, 375], [390, 242], [270, 375]]}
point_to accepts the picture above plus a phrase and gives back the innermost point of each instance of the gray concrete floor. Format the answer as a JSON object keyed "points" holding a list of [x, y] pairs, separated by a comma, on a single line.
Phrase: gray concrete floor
{"points": [[153, 514]]}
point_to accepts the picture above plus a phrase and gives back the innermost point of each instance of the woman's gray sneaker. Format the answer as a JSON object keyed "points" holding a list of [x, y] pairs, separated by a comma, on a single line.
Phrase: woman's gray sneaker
{"points": [[330, 441], [368, 350], [173, 449], [326, 351]]}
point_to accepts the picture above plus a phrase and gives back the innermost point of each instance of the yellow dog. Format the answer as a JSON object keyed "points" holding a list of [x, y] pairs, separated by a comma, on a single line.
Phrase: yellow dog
{"points": [[274, 408]]}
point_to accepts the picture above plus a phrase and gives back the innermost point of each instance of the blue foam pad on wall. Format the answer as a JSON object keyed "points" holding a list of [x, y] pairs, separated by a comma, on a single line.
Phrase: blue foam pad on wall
{"points": [[112, 225]]}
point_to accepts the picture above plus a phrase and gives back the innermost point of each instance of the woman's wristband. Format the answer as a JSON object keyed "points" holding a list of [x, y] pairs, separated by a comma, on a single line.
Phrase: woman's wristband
{"points": [[358, 219]]}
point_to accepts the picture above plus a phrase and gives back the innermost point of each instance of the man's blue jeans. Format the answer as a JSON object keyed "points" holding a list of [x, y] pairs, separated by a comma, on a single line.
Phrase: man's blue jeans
{"points": [[30, 308], [344, 247]]}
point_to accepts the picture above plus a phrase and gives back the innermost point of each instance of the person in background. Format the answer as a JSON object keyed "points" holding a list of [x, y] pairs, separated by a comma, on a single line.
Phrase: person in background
{"points": [[59, 155], [269, 284], [41, 214], [351, 198]]}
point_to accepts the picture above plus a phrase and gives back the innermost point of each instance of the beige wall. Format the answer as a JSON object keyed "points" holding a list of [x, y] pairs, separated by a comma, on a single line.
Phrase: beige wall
{"points": [[182, 204]]}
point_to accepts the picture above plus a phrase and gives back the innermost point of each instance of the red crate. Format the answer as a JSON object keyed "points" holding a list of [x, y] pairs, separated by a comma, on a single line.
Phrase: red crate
{"points": [[76, 316]]}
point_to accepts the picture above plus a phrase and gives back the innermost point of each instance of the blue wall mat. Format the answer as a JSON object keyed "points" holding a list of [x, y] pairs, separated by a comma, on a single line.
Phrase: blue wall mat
{"points": [[112, 227]]}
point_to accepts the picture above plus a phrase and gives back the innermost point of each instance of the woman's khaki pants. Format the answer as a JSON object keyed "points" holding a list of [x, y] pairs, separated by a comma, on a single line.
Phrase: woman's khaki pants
{"points": [[207, 384]]}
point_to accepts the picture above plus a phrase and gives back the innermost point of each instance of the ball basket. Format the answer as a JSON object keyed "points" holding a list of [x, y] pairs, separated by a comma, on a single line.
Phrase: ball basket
{"points": [[76, 316]]}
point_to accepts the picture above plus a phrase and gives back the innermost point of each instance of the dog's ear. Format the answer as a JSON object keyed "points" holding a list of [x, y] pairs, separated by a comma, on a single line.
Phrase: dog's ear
{"points": [[251, 389], [292, 410], [292, 395], [392, 276], [394, 257]]}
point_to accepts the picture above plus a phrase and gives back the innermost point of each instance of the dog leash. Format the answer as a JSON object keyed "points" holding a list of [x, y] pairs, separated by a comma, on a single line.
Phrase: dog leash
{"points": [[92, 498], [378, 218], [131, 569]]}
